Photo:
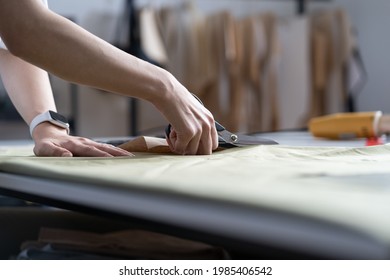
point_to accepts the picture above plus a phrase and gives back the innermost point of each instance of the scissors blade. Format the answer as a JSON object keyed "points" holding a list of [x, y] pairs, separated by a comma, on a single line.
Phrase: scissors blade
{"points": [[240, 139], [246, 140]]}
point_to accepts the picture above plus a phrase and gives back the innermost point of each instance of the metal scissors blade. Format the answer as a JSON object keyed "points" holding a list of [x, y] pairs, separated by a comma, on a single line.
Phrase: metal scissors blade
{"points": [[240, 140]]}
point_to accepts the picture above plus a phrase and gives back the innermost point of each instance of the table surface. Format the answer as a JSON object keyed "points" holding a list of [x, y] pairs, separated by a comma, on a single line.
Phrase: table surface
{"points": [[208, 220]]}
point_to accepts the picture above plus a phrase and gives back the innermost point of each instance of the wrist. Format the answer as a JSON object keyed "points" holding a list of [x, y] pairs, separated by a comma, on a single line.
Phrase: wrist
{"points": [[51, 117], [164, 89], [47, 129]]}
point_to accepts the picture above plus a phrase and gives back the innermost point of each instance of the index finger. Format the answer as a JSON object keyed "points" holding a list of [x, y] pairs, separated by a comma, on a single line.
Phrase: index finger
{"points": [[179, 144]]}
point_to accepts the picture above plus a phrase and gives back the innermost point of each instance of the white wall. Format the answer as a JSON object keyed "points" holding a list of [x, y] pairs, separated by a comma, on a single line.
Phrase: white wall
{"points": [[238, 7], [81, 8], [98, 16], [372, 19]]}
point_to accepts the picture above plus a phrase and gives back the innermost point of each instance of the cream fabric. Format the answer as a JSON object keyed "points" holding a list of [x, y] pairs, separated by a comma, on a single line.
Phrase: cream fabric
{"points": [[350, 186], [16, 151]]}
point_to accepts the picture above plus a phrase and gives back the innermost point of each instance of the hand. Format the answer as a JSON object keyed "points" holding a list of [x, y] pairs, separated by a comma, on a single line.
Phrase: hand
{"points": [[54, 141], [193, 127]]}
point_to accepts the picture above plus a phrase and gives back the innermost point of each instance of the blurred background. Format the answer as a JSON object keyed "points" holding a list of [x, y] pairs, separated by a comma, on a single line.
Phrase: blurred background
{"points": [[258, 65]]}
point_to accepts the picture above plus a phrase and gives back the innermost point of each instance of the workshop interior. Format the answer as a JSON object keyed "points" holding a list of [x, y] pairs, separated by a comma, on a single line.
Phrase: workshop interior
{"points": [[306, 79]]}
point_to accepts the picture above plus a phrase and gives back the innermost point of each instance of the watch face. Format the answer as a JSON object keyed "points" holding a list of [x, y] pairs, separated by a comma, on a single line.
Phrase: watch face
{"points": [[58, 117]]}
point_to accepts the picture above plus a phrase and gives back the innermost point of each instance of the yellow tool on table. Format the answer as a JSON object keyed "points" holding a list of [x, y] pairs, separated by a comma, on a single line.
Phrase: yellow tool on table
{"points": [[350, 125]]}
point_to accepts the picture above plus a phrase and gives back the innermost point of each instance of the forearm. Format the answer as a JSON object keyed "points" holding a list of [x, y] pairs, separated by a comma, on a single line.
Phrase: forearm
{"points": [[68, 51], [30, 91], [27, 86], [59, 46]]}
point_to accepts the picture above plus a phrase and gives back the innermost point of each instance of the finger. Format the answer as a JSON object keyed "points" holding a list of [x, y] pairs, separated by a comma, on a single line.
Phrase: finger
{"points": [[169, 141], [87, 147], [112, 150], [173, 143], [48, 149], [193, 145], [180, 143], [214, 138], [87, 150], [205, 145]]}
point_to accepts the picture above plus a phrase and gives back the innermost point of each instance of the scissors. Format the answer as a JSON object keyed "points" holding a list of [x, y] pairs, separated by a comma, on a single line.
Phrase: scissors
{"points": [[227, 139]]}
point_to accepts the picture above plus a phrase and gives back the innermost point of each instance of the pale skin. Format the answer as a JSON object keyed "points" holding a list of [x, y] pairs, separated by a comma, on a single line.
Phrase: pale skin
{"points": [[19, 78], [36, 36]]}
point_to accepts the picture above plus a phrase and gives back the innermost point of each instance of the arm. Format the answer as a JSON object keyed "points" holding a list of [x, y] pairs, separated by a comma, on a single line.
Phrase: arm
{"points": [[55, 44], [30, 92]]}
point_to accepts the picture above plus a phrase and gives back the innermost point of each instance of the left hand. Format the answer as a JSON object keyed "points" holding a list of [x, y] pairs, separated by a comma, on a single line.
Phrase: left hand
{"points": [[53, 141]]}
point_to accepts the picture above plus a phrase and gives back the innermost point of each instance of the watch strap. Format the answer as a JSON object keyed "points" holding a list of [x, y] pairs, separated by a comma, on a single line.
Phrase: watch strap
{"points": [[49, 116]]}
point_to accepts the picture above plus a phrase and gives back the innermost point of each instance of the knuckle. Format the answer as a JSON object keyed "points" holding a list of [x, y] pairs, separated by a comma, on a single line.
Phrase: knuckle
{"points": [[190, 133], [37, 151], [179, 150], [70, 144], [89, 148], [210, 117], [195, 129], [207, 126], [43, 147], [82, 140]]}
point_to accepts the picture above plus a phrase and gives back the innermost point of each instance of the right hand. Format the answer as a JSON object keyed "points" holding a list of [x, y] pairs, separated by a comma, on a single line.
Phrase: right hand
{"points": [[193, 127]]}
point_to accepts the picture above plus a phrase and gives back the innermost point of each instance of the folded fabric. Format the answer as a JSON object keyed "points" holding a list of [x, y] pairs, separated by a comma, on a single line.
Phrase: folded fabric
{"points": [[147, 144], [144, 144]]}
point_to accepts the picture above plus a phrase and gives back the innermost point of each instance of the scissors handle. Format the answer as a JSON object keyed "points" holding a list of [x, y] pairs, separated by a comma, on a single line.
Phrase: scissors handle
{"points": [[227, 139], [168, 130], [219, 126]]}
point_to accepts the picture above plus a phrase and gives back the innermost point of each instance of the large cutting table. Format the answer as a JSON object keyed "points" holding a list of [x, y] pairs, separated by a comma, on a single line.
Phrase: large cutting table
{"points": [[304, 198]]}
